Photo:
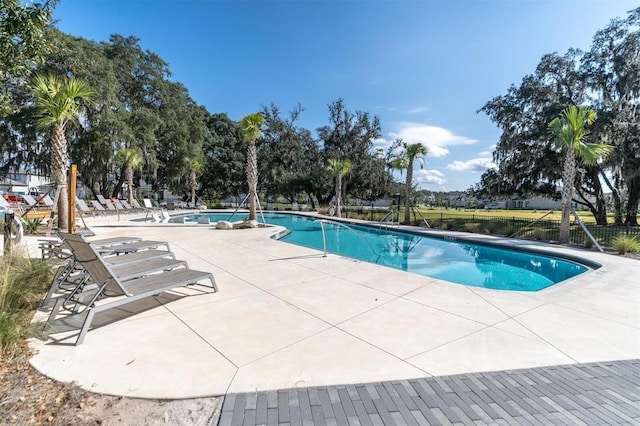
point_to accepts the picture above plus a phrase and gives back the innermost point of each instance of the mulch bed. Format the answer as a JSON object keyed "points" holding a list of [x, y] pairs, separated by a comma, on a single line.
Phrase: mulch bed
{"points": [[28, 397]]}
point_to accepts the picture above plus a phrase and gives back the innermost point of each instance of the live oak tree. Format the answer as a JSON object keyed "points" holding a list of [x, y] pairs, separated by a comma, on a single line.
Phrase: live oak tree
{"points": [[224, 153], [612, 72], [349, 135], [607, 78], [23, 45], [286, 151]]}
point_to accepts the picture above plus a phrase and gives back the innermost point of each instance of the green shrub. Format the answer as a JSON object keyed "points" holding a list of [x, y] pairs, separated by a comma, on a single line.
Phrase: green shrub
{"points": [[23, 282], [588, 243], [458, 225], [539, 234], [471, 227], [31, 224], [490, 228], [624, 244]]}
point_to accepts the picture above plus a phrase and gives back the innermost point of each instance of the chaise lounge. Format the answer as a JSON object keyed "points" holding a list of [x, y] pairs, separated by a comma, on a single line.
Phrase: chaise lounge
{"points": [[110, 291]]}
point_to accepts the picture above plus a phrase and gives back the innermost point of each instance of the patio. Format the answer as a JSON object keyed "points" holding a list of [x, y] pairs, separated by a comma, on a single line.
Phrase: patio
{"points": [[286, 317]]}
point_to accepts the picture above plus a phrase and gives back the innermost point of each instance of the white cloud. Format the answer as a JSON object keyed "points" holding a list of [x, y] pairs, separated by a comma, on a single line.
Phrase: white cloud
{"points": [[382, 143], [474, 165], [488, 152], [423, 177], [436, 139], [418, 110]]}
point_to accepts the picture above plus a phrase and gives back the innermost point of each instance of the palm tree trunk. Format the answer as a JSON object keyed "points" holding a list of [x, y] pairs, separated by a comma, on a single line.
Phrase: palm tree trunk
{"points": [[339, 195], [407, 201], [192, 185], [568, 177], [129, 173], [59, 169], [252, 177]]}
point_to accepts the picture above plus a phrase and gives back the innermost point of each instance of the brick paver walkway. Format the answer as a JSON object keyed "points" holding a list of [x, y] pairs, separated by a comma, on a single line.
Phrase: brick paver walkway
{"points": [[594, 394]]}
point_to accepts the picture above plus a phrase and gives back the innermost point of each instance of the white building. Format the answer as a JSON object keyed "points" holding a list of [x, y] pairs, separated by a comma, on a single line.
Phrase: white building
{"points": [[23, 182]]}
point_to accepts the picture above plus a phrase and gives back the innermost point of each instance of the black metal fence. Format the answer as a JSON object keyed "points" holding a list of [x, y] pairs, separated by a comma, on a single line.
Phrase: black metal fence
{"points": [[543, 230]]}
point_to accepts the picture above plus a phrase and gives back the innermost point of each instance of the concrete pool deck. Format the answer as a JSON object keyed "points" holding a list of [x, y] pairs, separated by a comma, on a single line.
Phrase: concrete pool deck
{"points": [[286, 317]]}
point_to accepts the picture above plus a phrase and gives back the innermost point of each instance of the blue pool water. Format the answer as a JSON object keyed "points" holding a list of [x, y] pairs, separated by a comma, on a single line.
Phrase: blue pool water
{"points": [[456, 261]]}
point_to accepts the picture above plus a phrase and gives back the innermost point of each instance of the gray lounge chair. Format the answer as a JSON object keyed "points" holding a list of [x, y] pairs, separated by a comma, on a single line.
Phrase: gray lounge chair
{"points": [[111, 292], [31, 202], [68, 276], [137, 206], [110, 206], [128, 207], [77, 280], [98, 207], [84, 209], [47, 201], [101, 199], [131, 247]]}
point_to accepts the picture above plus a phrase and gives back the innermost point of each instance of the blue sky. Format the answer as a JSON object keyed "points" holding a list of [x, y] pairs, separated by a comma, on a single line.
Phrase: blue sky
{"points": [[423, 66]]}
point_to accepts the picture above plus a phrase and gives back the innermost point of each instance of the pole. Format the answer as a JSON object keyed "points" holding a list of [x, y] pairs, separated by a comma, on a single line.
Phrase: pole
{"points": [[8, 243], [73, 172]]}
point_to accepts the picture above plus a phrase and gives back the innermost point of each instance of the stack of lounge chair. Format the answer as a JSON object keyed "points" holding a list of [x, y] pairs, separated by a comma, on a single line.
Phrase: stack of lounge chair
{"points": [[108, 273]]}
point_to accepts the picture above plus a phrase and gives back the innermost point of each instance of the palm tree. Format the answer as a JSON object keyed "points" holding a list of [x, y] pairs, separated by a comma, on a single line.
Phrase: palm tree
{"points": [[339, 169], [569, 131], [251, 127], [58, 104], [131, 160], [194, 165], [411, 153]]}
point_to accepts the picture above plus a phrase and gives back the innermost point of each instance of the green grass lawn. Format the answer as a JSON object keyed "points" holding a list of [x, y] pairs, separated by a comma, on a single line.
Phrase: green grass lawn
{"points": [[518, 214], [438, 213]]}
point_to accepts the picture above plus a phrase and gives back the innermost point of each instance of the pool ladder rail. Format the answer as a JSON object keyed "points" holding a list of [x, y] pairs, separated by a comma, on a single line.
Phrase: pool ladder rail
{"points": [[343, 225]]}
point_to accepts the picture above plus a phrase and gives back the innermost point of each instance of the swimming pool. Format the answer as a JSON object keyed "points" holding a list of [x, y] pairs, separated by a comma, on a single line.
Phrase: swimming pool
{"points": [[457, 261]]}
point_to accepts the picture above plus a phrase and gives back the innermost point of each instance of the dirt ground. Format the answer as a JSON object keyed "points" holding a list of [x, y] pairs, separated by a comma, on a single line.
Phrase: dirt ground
{"points": [[28, 397]]}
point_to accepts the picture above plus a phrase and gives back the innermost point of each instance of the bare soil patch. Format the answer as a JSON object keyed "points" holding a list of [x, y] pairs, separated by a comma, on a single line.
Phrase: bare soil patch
{"points": [[28, 397]]}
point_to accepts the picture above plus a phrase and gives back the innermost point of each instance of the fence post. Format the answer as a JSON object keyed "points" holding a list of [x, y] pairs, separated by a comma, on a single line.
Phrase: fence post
{"points": [[8, 242]]}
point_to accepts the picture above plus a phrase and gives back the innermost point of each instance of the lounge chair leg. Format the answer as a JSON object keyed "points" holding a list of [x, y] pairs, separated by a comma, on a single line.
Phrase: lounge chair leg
{"points": [[85, 327], [54, 311], [61, 276], [213, 284]]}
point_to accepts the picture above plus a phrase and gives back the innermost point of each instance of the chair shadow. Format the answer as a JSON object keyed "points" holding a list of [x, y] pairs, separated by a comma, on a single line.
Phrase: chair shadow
{"points": [[65, 329]]}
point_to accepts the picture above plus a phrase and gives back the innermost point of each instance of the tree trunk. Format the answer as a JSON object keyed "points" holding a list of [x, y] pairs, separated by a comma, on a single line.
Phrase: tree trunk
{"points": [[600, 213], [252, 177], [617, 199], [59, 169], [617, 206], [193, 182], [121, 181], [407, 201], [339, 195], [631, 217], [129, 173], [616, 192], [313, 204], [568, 177]]}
